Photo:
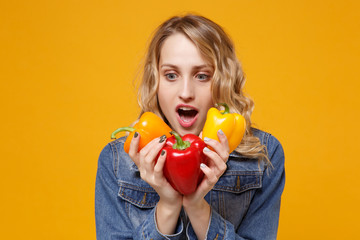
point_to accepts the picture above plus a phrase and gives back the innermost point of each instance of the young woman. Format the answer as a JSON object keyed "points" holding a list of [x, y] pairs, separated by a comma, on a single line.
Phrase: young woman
{"points": [[191, 65]]}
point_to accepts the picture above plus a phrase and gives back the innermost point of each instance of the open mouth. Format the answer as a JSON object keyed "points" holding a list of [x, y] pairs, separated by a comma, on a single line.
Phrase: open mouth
{"points": [[187, 116]]}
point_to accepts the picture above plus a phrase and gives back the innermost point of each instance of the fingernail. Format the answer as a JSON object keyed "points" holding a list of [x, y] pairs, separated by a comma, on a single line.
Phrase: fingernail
{"points": [[136, 134], [221, 132], [202, 165], [162, 152], [206, 149], [206, 139], [162, 138]]}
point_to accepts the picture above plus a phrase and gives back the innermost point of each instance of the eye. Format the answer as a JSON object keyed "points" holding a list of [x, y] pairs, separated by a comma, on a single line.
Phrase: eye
{"points": [[171, 76], [203, 77]]}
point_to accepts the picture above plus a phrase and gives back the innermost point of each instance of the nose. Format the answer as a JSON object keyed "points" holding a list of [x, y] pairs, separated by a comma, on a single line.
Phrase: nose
{"points": [[186, 91]]}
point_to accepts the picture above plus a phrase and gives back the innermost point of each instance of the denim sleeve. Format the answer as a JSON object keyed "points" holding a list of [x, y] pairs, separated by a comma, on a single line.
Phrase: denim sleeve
{"points": [[149, 230], [112, 220], [262, 218]]}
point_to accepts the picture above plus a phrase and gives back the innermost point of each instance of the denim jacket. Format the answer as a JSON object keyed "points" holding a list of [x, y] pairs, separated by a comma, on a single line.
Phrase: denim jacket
{"points": [[245, 202]]}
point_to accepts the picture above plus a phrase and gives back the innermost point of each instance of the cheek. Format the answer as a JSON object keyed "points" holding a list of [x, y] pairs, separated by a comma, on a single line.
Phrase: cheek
{"points": [[205, 91], [206, 97], [161, 92], [162, 102], [164, 98]]}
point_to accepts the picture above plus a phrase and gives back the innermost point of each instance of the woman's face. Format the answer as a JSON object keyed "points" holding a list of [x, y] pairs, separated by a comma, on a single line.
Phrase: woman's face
{"points": [[185, 85]]}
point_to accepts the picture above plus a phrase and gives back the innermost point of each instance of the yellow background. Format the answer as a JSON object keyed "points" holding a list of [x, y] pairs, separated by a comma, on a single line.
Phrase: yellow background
{"points": [[66, 83]]}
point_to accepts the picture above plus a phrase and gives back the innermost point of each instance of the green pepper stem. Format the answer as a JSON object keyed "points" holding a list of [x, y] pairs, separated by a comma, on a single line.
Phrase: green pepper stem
{"points": [[128, 129], [227, 110], [180, 144]]}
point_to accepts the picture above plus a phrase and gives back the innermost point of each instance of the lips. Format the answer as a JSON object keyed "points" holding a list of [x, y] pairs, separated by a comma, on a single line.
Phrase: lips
{"points": [[186, 115]]}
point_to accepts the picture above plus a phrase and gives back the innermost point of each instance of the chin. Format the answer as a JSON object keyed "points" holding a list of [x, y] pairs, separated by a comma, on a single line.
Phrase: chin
{"points": [[189, 131]]}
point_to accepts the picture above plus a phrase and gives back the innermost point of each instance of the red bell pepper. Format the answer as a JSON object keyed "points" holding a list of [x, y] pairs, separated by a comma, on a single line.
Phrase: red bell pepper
{"points": [[183, 159]]}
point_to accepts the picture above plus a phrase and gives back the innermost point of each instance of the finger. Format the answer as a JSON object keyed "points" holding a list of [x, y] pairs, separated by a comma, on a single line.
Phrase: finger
{"points": [[151, 151], [208, 182], [211, 178], [146, 149], [134, 147], [157, 146], [142, 156], [218, 162], [218, 147], [223, 139], [159, 166], [200, 135]]}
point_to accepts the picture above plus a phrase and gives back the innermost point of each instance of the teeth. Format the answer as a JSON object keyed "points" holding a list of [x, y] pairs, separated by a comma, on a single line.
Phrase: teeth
{"points": [[186, 108]]}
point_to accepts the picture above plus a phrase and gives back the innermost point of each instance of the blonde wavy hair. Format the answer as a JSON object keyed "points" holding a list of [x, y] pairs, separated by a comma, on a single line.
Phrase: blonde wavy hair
{"points": [[227, 82]]}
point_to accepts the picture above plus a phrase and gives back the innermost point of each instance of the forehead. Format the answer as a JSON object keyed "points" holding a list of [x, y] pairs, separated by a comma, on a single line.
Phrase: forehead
{"points": [[178, 49]]}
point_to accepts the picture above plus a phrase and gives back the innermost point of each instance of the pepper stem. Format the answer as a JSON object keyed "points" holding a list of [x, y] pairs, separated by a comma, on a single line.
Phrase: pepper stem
{"points": [[180, 144], [128, 129], [227, 109]]}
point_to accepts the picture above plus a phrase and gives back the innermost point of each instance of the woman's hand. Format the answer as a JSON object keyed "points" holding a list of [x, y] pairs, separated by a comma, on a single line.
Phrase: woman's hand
{"points": [[150, 164], [215, 169], [194, 204]]}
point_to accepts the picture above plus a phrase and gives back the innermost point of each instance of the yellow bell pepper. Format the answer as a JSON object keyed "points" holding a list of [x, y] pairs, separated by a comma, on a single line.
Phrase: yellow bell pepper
{"points": [[232, 124]]}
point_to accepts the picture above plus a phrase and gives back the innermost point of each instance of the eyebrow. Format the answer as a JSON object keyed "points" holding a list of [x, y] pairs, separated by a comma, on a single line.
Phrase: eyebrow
{"points": [[176, 67]]}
